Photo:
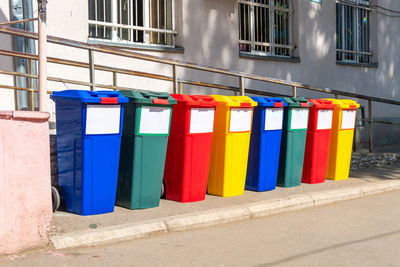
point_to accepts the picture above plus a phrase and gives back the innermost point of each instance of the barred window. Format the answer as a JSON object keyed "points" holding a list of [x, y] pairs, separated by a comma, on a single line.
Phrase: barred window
{"points": [[265, 27], [353, 31], [148, 22]]}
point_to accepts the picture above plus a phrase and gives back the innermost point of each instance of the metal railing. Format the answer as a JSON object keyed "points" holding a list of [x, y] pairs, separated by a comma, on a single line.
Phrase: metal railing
{"points": [[176, 81]]}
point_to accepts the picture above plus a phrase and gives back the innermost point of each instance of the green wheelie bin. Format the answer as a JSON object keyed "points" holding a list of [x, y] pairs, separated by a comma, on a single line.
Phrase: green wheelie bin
{"points": [[293, 142], [147, 119]]}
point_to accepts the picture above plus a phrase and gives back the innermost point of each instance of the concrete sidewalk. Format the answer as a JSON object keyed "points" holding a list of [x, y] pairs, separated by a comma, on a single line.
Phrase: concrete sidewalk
{"points": [[69, 230]]}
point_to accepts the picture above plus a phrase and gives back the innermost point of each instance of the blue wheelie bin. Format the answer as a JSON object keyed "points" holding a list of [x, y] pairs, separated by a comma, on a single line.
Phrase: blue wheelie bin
{"points": [[265, 144], [89, 126]]}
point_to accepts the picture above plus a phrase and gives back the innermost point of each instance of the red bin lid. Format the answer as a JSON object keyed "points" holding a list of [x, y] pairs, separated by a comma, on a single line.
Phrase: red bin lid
{"points": [[322, 103], [195, 100]]}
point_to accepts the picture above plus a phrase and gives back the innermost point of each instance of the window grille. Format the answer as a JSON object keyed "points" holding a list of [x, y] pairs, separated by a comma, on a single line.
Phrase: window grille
{"points": [[353, 31], [266, 27], [148, 22]]}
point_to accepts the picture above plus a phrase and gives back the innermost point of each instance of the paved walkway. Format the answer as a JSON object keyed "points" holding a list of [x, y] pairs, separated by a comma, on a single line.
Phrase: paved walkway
{"points": [[64, 222], [361, 232]]}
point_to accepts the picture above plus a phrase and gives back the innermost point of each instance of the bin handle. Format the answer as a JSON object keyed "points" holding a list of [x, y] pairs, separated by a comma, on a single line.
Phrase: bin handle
{"points": [[154, 94], [104, 94]]}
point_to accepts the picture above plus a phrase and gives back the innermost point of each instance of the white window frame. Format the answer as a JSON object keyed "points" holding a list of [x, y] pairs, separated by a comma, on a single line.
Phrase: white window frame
{"points": [[358, 54], [273, 44], [146, 29]]}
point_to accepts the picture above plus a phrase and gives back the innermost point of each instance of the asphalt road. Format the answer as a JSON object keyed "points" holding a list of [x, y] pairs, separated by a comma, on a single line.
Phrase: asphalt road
{"points": [[362, 232]]}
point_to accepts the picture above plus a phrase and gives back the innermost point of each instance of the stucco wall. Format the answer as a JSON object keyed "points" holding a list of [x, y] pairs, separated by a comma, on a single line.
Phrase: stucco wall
{"points": [[208, 31], [25, 196]]}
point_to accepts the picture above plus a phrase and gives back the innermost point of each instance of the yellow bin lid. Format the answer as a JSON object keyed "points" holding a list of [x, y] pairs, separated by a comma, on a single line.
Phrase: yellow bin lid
{"points": [[235, 101], [344, 103]]}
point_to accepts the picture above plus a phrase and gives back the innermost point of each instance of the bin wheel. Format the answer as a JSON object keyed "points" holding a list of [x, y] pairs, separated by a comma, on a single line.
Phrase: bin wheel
{"points": [[55, 197], [162, 195]]}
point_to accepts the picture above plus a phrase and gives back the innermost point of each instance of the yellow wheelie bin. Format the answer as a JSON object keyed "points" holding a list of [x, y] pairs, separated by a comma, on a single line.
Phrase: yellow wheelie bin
{"points": [[344, 119], [230, 146]]}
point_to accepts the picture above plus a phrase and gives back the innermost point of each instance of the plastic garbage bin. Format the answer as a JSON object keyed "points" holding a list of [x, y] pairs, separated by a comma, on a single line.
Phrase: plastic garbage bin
{"points": [[265, 144], [318, 141], [189, 147], [344, 119], [230, 149], [144, 142], [295, 122], [89, 126]]}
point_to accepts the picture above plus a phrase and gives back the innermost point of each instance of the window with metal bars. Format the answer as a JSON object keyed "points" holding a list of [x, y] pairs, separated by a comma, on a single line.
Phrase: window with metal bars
{"points": [[148, 22], [265, 27], [353, 42]]}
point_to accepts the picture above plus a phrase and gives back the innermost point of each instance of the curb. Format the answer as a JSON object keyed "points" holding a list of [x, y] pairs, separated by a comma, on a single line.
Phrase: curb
{"points": [[221, 216]]}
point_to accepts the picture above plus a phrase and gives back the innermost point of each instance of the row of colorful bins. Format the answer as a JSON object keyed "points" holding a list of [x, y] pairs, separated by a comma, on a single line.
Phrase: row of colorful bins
{"points": [[98, 131]]}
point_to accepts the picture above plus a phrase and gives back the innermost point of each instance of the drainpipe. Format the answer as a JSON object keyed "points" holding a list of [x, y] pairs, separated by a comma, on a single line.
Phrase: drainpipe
{"points": [[42, 43], [31, 49], [16, 13]]}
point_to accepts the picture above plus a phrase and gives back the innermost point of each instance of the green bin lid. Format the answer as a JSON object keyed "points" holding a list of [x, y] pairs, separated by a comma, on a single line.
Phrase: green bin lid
{"points": [[149, 97], [299, 102]]}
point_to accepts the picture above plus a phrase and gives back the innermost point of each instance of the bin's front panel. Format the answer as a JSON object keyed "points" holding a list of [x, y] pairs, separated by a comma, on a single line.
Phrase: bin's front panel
{"points": [[143, 152], [264, 149], [317, 146], [230, 152], [100, 161], [70, 153], [292, 147], [196, 167], [173, 172], [148, 169], [341, 145]]}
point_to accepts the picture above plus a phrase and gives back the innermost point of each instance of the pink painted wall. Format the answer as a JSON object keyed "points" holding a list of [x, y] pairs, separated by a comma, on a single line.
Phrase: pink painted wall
{"points": [[25, 194]]}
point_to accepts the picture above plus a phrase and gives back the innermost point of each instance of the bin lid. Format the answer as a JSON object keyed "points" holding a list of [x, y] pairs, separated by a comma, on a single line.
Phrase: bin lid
{"points": [[344, 103], [148, 97], [300, 102], [84, 96], [195, 100], [235, 101], [322, 103], [269, 101]]}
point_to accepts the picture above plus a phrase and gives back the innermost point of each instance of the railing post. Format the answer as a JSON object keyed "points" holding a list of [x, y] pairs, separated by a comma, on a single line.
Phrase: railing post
{"points": [[174, 79], [241, 86], [336, 96], [92, 71], [180, 88], [42, 60], [115, 81], [294, 91], [371, 141]]}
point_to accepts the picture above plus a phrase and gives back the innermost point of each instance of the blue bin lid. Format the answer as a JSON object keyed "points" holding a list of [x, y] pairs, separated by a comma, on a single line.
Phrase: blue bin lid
{"points": [[84, 96], [269, 101]]}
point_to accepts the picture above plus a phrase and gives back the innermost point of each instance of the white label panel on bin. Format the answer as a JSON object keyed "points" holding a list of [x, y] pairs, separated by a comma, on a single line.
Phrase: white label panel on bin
{"points": [[348, 119], [154, 120], [103, 119], [324, 119], [201, 120], [273, 119], [299, 118], [240, 120]]}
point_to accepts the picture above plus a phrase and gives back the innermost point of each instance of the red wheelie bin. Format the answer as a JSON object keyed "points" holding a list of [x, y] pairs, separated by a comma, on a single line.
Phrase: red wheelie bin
{"points": [[189, 148], [318, 141]]}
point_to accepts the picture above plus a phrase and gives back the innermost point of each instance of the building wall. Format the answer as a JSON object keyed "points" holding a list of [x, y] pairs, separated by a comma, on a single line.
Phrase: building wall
{"points": [[208, 32]]}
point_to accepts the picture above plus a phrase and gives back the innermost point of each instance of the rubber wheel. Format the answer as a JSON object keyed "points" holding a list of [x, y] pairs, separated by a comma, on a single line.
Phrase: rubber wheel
{"points": [[55, 197], [162, 195]]}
